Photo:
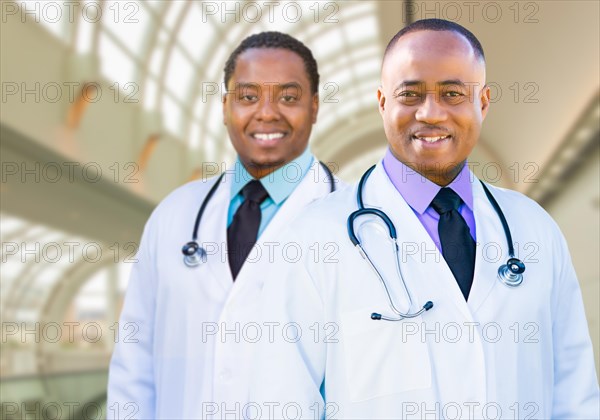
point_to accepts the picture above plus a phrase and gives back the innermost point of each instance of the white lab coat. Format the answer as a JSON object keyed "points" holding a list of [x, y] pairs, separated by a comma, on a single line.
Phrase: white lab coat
{"points": [[173, 359], [521, 352]]}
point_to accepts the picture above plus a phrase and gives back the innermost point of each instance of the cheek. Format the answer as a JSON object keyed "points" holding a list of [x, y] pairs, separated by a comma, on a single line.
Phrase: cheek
{"points": [[301, 121], [468, 119], [398, 118], [237, 117]]}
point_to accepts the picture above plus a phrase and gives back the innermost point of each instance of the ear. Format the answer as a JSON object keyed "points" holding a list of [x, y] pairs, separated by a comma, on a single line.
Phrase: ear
{"points": [[381, 99], [315, 107], [224, 103], [485, 101]]}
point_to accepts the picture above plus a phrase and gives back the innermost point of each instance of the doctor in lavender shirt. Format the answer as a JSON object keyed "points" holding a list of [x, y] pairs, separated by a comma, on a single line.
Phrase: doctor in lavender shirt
{"points": [[484, 348]]}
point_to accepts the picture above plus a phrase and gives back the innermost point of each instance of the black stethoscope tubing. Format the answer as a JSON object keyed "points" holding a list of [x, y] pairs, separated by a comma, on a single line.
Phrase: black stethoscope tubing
{"points": [[193, 253], [510, 274], [211, 192]]}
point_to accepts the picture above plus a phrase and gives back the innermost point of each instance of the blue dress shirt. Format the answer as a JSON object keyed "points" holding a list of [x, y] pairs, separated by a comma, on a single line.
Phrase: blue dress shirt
{"points": [[279, 184]]}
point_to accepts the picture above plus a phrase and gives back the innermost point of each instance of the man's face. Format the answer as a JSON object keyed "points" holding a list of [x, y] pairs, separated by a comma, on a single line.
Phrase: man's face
{"points": [[433, 102], [269, 109]]}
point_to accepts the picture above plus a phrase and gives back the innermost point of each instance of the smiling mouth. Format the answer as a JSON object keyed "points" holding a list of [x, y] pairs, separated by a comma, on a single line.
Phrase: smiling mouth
{"points": [[432, 139], [268, 137]]}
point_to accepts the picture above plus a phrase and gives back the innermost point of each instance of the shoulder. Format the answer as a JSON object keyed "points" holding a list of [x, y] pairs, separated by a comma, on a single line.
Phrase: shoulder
{"points": [[517, 207], [186, 197], [329, 205], [515, 200], [326, 214]]}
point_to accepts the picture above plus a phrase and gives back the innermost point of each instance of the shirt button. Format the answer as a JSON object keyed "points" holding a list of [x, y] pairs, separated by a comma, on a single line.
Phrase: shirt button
{"points": [[225, 376]]}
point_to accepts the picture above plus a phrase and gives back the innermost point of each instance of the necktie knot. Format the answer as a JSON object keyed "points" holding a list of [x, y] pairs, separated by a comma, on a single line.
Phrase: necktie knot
{"points": [[446, 200], [255, 192]]}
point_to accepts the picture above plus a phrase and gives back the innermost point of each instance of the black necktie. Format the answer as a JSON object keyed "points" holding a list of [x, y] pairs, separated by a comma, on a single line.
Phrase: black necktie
{"points": [[458, 247], [243, 230]]}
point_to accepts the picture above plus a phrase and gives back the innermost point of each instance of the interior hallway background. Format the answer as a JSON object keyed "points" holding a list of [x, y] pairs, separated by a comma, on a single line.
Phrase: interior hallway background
{"points": [[109, 105]]}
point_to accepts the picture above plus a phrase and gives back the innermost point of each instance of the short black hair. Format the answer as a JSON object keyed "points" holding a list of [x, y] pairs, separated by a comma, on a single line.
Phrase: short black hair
{"points": [[273, 39], [438, 25]]}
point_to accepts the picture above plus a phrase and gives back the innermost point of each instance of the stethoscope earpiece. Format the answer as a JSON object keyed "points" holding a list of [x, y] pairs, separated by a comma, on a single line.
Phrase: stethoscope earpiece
{"points": [[193, 254]]}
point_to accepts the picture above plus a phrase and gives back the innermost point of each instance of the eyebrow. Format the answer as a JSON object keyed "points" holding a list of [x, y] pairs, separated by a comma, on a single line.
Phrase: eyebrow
{"points": [[412, 83], [244, 85], [291, 85], [420, 82], [409, 83], [282, 86], [452, 82]]}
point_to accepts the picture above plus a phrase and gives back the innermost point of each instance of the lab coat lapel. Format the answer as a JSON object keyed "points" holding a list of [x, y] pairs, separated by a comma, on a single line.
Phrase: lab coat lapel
{"points": [[307, 191], [425, 271], [213, 232], [491, 248]]}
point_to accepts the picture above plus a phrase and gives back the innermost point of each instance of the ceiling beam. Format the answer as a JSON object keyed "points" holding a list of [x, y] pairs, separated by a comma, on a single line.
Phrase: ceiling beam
{"points": [[33, 189]]}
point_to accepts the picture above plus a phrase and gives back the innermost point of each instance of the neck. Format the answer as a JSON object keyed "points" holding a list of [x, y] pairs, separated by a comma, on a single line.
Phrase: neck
{"points": [[260, 171], [438, 177]]}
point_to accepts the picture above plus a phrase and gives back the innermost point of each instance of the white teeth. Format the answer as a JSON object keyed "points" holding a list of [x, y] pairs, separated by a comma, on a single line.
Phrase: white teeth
{"points": [[433, 139], [268, 136]]}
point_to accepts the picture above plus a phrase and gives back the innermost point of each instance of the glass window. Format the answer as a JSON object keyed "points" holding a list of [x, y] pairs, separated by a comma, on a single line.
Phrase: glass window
{"points": [[85, 25], [172, 115], [195, 35], [150, 94], [175, 9], [52, 16], [179, 74], [194, 139], [157, 57], [128, 21], [115, 64], [361, 30]]}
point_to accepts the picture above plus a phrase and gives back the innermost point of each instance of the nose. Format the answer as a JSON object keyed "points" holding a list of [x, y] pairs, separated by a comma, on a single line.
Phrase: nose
{"points": [[268, 109], [431, 110]]}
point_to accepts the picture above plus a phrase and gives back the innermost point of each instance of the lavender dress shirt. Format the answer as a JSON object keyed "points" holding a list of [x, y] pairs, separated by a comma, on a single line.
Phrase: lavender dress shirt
{"points": [[418, 192]]}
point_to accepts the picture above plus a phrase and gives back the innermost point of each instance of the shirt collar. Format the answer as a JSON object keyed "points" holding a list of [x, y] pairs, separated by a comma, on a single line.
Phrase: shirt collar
{"points": [[417, 190], [280, 183]]}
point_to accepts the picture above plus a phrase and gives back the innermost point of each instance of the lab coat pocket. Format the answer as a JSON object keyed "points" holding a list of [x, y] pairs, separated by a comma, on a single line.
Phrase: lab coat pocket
{"points": [[383, 358]]}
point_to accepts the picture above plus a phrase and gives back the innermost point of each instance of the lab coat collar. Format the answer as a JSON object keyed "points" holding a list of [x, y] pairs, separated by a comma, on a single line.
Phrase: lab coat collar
{"points": [[492, 248], [213, 231]]}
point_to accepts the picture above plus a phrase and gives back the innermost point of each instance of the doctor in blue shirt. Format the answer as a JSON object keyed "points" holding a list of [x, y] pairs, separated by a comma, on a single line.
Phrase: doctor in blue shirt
{"points": [[191, 352]]}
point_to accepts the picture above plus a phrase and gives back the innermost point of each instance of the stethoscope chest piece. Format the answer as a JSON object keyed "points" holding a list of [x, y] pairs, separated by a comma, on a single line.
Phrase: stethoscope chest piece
{"points": [[511, 273], [193, 254]]}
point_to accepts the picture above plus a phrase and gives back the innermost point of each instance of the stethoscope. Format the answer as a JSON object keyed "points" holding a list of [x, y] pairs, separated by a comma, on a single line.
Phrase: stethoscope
{"points": [[510, 274], [193, 253]]}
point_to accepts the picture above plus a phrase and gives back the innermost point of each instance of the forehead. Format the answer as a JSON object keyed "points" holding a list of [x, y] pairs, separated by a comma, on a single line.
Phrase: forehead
{"points": [[433, 56], [270, 65]]}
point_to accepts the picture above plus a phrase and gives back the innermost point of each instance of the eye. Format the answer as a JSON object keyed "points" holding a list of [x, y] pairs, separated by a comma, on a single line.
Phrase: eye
{"points": [[453, 97], [248, 98], [289, 98], [453, 94], [409, 94], [409, 97]]}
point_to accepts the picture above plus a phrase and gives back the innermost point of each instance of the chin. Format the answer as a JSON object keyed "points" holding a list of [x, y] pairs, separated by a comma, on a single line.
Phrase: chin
{"points": [[267, 163]]}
